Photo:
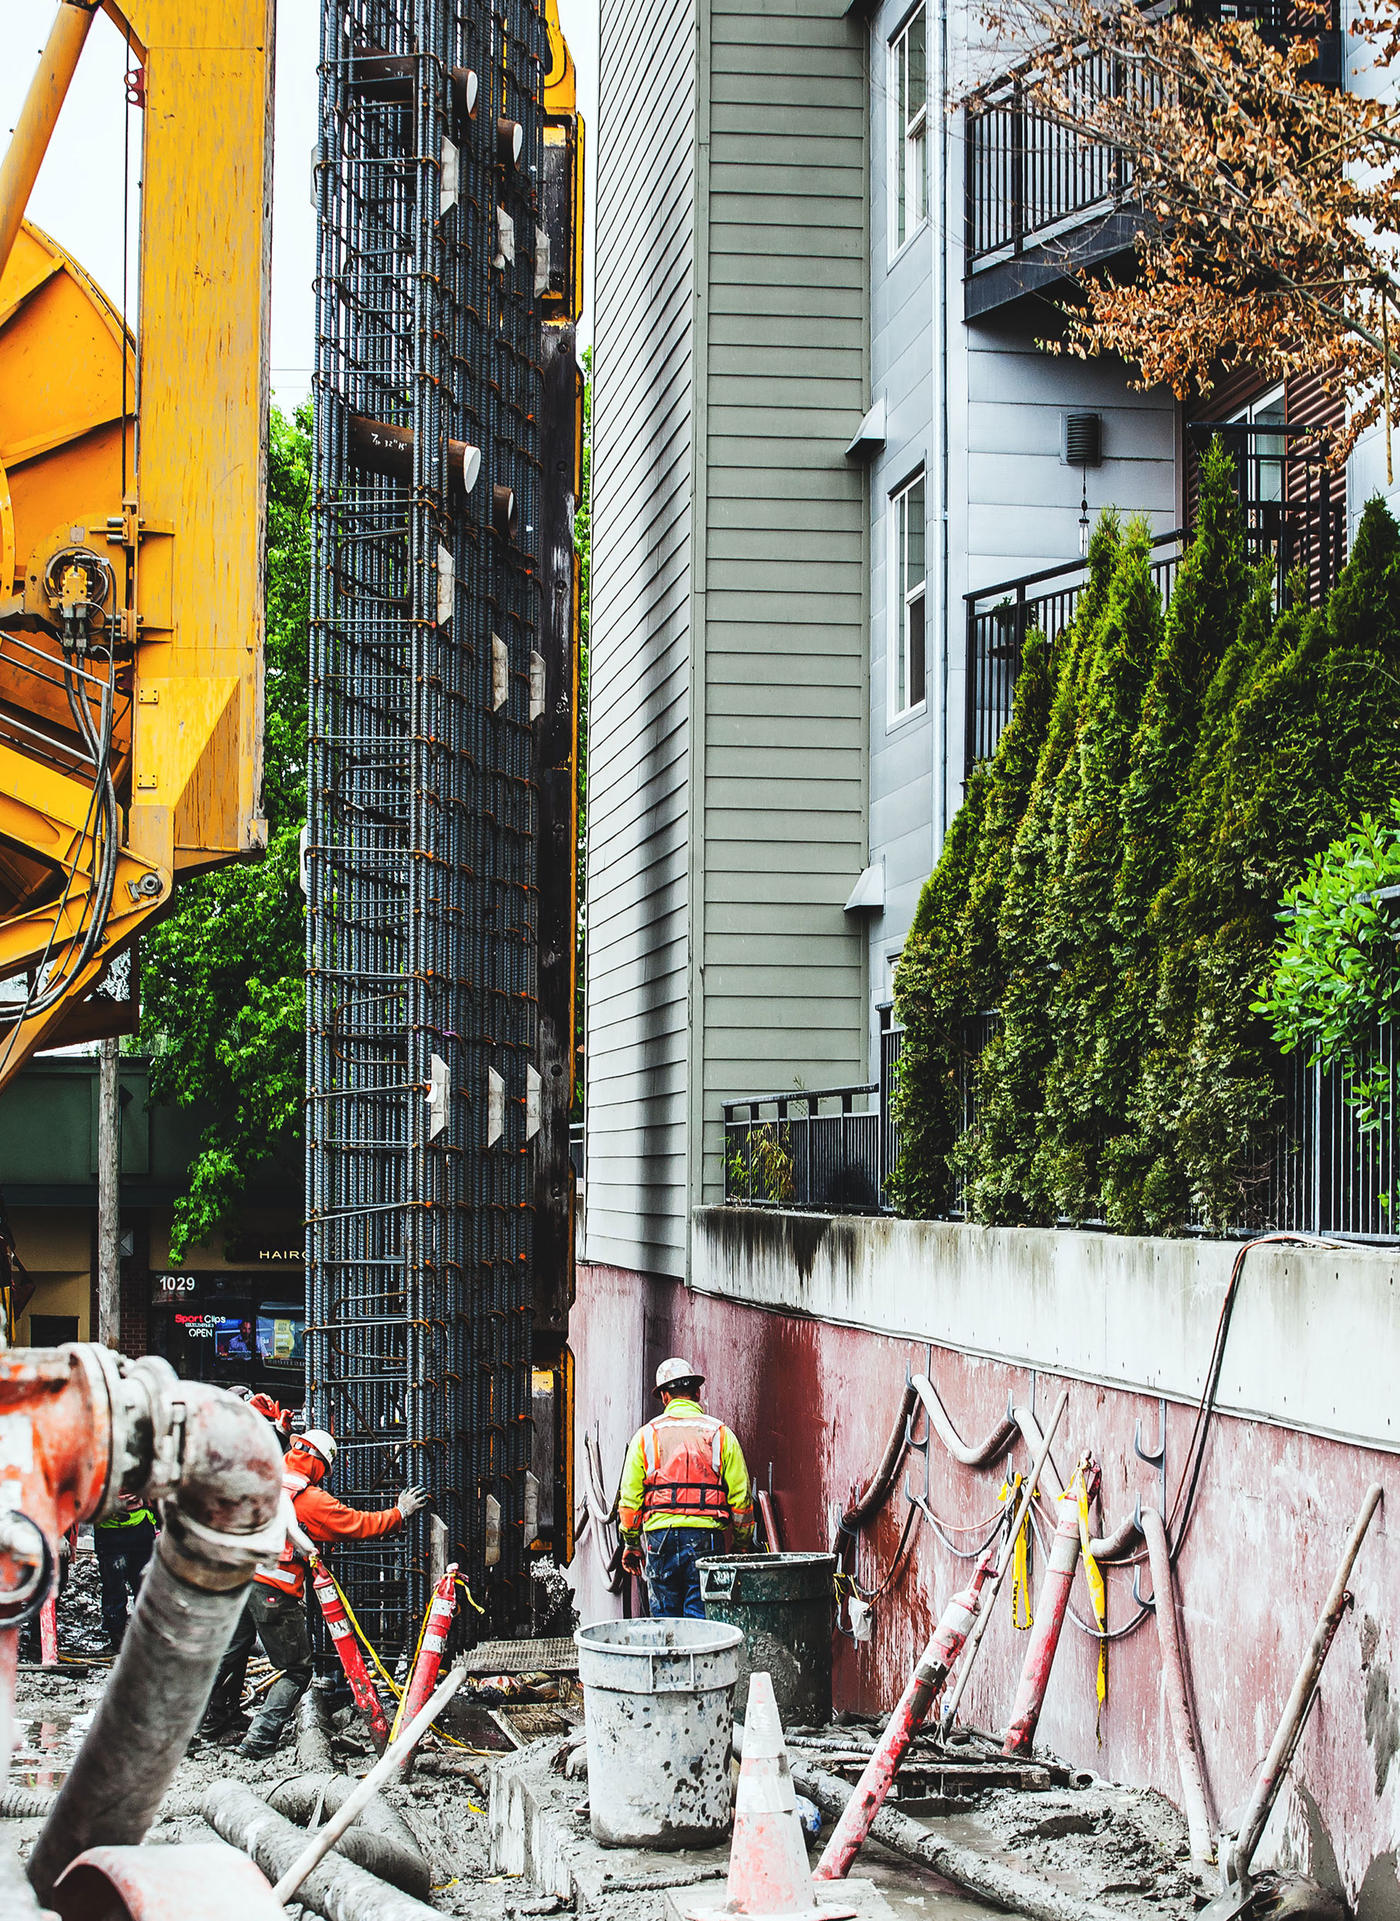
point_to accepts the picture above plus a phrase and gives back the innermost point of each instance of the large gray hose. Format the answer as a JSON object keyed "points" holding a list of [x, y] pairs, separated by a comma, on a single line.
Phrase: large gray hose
{"points": [[313, 1735], [336, 1889], [222, 1520], [994, 1881], [381, 1840]]}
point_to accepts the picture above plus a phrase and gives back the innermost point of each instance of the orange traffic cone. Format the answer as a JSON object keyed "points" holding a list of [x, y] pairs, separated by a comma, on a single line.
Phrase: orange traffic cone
{"points": [[768, 1872]]}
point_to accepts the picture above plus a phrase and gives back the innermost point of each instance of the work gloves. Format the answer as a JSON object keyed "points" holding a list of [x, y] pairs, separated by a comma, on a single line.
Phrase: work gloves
{"points": [[412, 1500], [632, 1562]]}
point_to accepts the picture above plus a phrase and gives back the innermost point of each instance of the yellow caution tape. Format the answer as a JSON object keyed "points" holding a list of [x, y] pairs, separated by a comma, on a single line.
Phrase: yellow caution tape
{"points": [[1098, 1593], [1020, 1561]]}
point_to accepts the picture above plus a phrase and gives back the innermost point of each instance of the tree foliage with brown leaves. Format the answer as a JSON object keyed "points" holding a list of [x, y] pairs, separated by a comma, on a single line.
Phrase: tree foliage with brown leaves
{"points": [[1270, 202]]}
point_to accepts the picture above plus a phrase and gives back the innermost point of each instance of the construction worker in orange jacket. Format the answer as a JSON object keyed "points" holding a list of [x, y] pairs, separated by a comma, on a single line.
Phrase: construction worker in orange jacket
{"points": [[275, 1611], [683, 1482]]}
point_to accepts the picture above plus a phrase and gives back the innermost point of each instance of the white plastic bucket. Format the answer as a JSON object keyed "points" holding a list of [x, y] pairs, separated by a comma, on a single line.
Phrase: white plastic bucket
{"points": [[658, 1712]]}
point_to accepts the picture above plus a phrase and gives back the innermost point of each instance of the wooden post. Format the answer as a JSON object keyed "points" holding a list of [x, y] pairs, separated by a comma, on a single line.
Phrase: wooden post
{"points": [[109, 1159]]}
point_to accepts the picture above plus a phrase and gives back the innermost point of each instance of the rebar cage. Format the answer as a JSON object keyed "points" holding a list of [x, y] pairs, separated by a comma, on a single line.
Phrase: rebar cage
{"points": [[422, 833]]}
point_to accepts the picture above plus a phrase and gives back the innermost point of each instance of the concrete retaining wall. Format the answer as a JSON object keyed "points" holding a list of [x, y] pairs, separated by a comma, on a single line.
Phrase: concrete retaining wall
{"points": [[808, 1330]]}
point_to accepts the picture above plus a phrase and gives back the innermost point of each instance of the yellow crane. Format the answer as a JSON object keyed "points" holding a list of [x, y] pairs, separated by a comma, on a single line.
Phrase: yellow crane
{"points": [[132, 490], [132, 482]]}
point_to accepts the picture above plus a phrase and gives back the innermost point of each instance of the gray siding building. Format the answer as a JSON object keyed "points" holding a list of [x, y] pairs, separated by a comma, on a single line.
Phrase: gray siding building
{"points": [[830, 447], [729, 703]]}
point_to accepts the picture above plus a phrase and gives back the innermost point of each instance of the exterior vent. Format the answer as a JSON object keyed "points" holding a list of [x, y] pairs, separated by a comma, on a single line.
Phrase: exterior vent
{"points": [[1081, 440]]}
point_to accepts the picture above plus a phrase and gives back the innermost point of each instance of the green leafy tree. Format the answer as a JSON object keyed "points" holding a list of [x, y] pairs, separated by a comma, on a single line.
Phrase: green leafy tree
{"points": [[222, 979], [1334, 977], [1083, 1084]]}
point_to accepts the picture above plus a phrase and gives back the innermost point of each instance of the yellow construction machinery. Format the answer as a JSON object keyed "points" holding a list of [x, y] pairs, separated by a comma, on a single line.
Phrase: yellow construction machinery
{"points": [[131, 516]]}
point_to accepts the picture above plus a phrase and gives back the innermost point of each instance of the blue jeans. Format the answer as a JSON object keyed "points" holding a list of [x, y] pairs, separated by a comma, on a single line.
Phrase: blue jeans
{"points": [[673, 1578]]}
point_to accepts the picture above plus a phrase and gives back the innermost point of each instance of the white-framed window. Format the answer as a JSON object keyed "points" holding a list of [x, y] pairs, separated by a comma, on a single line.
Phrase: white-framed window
{"points": [[1263, 453], [909, 132], [908, 660]]}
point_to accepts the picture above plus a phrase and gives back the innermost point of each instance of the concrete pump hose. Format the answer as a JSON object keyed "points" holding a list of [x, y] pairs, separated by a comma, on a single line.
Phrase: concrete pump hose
{"points": [[336, 1889], [313, 1736], [223, 1519], [381, 1840]]}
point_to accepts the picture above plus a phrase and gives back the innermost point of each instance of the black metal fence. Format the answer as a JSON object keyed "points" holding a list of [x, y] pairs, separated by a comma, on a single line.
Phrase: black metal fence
{"points": [[833, 1150], [1294, 510], [999, 619]]}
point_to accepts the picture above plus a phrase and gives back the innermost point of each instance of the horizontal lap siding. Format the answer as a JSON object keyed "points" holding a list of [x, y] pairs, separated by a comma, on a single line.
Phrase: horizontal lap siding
{"points": [[784, 569], [636, 1059]]}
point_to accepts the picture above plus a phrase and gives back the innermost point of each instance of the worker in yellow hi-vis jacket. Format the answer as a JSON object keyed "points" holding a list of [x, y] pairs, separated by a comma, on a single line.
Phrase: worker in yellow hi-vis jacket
{"points": [[683, 1482]]}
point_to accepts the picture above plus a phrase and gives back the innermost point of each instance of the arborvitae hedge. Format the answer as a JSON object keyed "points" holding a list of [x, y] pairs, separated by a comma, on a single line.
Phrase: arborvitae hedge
{"points": [[1109, 889]]}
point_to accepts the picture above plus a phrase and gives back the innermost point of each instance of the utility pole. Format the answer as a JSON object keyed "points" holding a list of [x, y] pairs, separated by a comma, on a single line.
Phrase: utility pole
{"points": [[109, 1166]]}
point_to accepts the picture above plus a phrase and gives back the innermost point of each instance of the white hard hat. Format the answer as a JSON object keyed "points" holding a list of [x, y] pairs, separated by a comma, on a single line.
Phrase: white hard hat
{"points": [[675, 1370], [317, 1441]]}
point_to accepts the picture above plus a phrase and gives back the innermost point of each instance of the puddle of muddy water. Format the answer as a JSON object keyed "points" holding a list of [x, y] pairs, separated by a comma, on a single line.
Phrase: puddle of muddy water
{"points": [[45, 1747]]}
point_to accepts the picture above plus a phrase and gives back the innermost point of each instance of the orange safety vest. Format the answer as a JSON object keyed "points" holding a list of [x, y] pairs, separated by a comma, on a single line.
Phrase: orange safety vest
{"points": [[681, 1458], [288, 1572]]}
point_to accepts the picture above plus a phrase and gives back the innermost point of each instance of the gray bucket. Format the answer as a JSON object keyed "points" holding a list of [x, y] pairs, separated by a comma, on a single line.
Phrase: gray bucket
{"points": [[786, 1606], [658, 1716]]}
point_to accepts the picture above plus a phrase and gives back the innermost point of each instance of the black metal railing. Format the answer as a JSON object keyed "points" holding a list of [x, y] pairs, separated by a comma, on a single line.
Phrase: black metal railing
{"points": [[1294, 510], [1294, 504], [1320, 1172], [813, 1149], [1032, 177], [1000, 617]]}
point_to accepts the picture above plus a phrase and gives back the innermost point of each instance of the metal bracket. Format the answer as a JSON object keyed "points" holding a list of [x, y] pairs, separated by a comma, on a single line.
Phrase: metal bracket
{"points": [[1154, 1457]]}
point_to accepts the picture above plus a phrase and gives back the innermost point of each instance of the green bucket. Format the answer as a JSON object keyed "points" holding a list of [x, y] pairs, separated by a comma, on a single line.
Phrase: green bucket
{"points": [[786, 1606]]}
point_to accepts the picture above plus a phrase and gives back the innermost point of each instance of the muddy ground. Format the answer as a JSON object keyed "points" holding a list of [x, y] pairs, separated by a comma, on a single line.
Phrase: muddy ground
{"points": [[1098, 1843]]}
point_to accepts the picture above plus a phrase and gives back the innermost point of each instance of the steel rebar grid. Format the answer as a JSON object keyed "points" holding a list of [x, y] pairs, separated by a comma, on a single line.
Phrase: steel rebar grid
{"points": [[422, 835]]}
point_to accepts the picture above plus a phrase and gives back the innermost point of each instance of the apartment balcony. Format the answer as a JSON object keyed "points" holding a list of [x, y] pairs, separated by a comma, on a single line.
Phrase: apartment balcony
{"points": [[1041, 201], [1294, 513]]}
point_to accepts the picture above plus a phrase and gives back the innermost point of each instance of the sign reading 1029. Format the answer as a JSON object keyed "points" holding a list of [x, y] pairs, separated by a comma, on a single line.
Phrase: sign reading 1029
{"points": [[170, 1286]]}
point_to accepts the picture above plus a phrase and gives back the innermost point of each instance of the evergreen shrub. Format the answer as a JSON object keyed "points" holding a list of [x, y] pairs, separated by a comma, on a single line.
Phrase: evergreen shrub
{"points": [[1109, 891]]}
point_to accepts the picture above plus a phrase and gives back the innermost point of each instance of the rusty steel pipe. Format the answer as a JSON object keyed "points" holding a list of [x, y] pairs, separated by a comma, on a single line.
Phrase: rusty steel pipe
{"points": [[38, 117], [770, 1521], [1188, 1759], [218, 1480], [1300, 1701], [1050, 1610]]}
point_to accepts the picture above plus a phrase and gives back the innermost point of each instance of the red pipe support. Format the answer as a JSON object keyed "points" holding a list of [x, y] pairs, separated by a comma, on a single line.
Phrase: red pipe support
{"points": [[352, 1660], [1045, 1635], [423, 1679], [928, 1677]]}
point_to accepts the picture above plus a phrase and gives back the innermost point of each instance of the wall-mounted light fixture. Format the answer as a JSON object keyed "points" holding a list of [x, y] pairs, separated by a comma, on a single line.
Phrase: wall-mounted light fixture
{"points": [[1081, 446]]}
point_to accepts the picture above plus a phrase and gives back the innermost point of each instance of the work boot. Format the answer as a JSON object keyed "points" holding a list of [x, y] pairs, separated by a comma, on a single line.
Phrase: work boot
{"points": [[252, 1750], [233, 1733]]}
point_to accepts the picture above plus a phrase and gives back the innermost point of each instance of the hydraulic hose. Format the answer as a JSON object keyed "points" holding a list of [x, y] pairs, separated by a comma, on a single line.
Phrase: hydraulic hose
{"points": [[220, 1503], [877, 1493]]}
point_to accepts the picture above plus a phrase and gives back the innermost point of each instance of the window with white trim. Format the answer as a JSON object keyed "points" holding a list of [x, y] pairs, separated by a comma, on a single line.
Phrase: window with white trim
{"points": [[907, 654], [909, 144]]}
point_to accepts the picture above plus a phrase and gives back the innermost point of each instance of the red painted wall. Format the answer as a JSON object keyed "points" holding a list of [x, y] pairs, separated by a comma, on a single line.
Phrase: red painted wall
{"points": [[813, 1405]]}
